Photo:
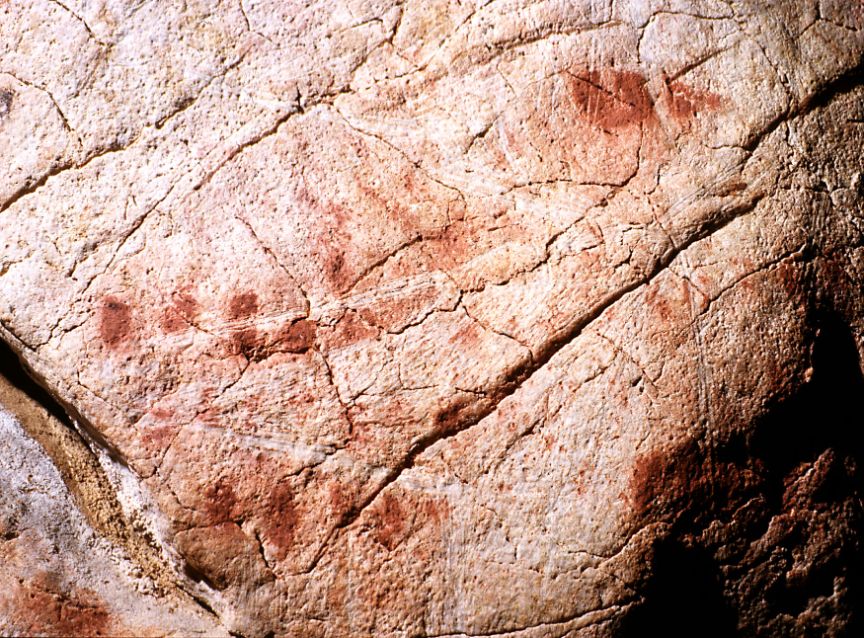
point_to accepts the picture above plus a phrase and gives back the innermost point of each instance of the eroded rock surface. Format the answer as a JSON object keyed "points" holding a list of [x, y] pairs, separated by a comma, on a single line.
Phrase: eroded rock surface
{"points": [[62, 574], [454, 318]]}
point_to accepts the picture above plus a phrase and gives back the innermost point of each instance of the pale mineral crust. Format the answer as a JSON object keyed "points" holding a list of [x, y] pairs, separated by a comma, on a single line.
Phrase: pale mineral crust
{"points": [[59, 575], [433, 318]]}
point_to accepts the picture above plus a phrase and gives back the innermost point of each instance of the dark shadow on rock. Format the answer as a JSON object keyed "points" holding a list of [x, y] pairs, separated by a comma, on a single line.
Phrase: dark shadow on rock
{"points": [[785, 505], [812, 447], [684, 597], [14, 371], [826, 414]]}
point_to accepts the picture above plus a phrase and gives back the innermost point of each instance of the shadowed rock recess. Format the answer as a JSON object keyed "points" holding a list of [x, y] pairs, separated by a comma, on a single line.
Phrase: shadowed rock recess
{"points": [[416, 319]]}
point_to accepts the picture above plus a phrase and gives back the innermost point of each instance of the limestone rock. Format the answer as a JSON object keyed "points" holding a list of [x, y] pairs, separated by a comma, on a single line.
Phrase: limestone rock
{"points": [[62, 574], [449, 318]]}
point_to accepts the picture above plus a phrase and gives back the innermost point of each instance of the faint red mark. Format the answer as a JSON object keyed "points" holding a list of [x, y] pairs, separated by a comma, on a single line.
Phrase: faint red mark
{"points": [[611, 99], [44, 607], [389, 521], [297, 337], [243, 305], [179, 315], [685, 102], [115, 321], [281, 518]]}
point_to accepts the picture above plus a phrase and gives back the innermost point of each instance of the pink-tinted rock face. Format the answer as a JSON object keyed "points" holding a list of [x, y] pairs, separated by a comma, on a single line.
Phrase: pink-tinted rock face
{"points": [[449, 318]]}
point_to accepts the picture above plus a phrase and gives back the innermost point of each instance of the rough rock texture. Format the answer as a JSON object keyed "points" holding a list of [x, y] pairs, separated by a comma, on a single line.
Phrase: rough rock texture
{"points": [[442, 318], [59, 577]]}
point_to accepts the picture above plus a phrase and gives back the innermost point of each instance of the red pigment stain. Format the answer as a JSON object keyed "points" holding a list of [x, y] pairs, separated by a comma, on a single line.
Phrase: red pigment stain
{"points": [[686, 102], [337, 272], [179, 314], [390, 521], [351, 329], [466, 337], [161, 413], [672, 482], [46, 608], [172, 322], [257, 492], [649, 476], [211, 417], [611, 99], [339, 498], [297, 337], [220, 503], [437, 510], [158, 437], [660, 301], [248, 343], [281, 516], [245, 341], [243, 305], [115, 321], [453, 246], [581, 486], [429, 514], [329, 240]]}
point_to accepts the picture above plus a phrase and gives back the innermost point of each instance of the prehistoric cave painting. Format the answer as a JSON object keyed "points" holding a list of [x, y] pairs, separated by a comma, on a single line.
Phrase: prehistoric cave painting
{"points": [[433, 319]]}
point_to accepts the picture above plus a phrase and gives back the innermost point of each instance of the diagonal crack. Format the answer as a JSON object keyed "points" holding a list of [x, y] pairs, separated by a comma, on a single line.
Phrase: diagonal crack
{"points": [[69, 440], [32, 187], [462, 415], [81, 20], [845, 82]]}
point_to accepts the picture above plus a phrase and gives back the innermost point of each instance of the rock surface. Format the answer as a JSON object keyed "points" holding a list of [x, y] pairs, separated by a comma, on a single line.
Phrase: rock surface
{"points": [[60, 577], [440, 318]]}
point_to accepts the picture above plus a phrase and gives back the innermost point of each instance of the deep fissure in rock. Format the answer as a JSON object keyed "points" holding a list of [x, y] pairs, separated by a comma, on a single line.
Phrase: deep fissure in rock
{"points": [[14, 370], [83, 475]]}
